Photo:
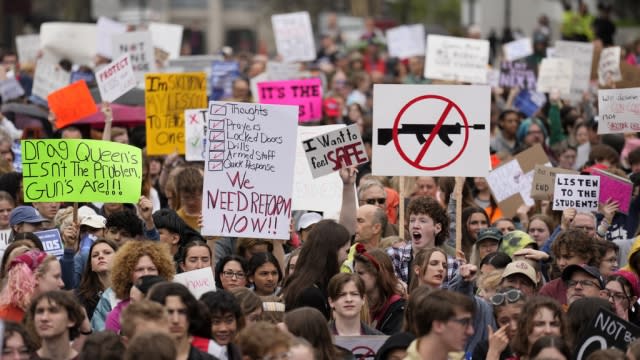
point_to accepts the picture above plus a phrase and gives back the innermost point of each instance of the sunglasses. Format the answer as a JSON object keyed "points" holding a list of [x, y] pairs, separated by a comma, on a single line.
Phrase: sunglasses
{"points": [[510, 297], [379, 201]]}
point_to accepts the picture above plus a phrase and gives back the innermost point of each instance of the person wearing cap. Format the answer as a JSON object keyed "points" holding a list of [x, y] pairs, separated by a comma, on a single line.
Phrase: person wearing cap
{"points": [[488, 242], [520, 275], [47, 210], [305, 224], [622, 289], [395, 347], [516, 240], [583, 281], [91, 228], [25, 219]]}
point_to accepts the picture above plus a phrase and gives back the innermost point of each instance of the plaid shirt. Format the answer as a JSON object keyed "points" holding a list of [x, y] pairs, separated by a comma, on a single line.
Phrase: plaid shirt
{"points": [[401, 257]]}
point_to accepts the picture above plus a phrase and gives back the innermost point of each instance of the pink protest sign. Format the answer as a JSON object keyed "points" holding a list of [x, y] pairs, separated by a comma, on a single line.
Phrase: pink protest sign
{"points": [[306, 93], [615, 188]]}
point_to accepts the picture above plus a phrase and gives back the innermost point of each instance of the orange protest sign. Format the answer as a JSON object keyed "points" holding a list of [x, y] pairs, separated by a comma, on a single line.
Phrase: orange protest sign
{"points": [[71, 103]]}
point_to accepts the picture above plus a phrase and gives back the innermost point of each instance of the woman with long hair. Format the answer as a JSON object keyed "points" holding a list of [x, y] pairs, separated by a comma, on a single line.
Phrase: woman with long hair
{"points": [[473, 219], [550, 347], [622, 295], [347, 299], [196, 254], [265, 274], [309, 324], [96, 275], [429, 267], [320, 259], [384, 292], [541, 316]]}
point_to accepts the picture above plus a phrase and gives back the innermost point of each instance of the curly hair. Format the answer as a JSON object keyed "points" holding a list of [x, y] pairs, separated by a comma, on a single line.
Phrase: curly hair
{"points": [[127, 257], [520, 344], [430, 207], [22, 283], [576, 242]]}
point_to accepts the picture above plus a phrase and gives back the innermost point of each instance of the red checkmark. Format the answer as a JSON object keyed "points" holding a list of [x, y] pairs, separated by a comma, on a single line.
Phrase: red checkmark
{"points": [[216, 124], [216, 136], [217, 145], [215, 165], [216, 155], [218, 109]]}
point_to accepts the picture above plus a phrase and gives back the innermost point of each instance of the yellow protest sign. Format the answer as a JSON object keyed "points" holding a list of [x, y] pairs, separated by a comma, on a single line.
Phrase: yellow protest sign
{"points": [[81, 171], [167, 96]]}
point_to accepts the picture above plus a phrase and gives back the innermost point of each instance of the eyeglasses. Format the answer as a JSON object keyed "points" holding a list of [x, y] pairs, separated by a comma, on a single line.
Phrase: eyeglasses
{"points": [[617, 296], [583, 283], [379, 201], [280, 356], [509, 296], [465, 321], [230, 274]]}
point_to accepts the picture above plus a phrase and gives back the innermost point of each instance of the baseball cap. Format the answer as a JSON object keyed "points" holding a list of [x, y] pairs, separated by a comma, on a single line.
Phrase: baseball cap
{"points": [[25, 214], [590, 270], [94, 221], [516, 240], [308, 219], [489, 234], [520, 267]]}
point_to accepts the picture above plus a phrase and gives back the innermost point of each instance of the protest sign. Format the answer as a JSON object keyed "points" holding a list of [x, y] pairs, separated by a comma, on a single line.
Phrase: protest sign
{"points": [[362, 347], [167, 37], [606, 330], [294, 36], [223, 73], [434, 130], [305, 93], [544, 180], [27, 47], [529, 101], [73, 41], [167, 96], [51, 242], [4, 240], [249, 170], [520, 74], [105, 29], [406, 41], [323, 194], [282, 71], [580, 192], [197, 281], [609, 65], [517, 49], [140, 49], [10, 89], [493, 78], [332, 151], [81, 170], [510, 183], [195, 130], [68, 111], [619, 110], [49, 76], [457, 59], [581, 55], [556, 74], [115, 79], [616, 188]]}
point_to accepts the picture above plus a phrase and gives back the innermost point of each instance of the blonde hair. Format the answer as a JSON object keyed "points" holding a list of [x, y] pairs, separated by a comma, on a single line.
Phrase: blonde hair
{"points": [[489, 282]]}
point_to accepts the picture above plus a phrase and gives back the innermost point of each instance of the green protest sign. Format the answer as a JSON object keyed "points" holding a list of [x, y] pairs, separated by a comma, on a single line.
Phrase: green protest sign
{"points": [[81, 171]]}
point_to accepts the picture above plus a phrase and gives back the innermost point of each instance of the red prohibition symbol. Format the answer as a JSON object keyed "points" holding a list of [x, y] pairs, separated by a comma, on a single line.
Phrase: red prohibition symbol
{"points": [[450, 106]]}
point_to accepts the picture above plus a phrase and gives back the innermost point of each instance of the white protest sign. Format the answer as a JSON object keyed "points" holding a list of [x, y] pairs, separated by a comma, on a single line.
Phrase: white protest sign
{"points": [[115, 79], [435, 130], [294, 36], [140, 49], [195, 132], [167, 37], [517, 49], [509, 179], [282, 71], [249, 170], [105, 29], [49, 77], [27, 47], [10, 89], [197, 281], [457, 59], [619, 110], [332, 151], [581, 54], [609, 65], [555, 73], [323, 194], [580, 192], [4, 240], [406, 41], [73, 41]]}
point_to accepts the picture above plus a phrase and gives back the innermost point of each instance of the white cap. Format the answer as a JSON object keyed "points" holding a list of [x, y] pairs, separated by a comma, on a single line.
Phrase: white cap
{"points": [[308, 219], [95, 221]]}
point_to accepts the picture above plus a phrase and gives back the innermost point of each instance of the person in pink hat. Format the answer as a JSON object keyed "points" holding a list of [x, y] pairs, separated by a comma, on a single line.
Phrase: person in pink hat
{"points": [[622, 289]]}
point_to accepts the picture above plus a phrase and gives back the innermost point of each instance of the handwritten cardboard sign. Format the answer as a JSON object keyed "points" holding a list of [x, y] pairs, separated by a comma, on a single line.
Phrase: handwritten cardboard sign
{"points": [[167, 96], [249, 170], [197, 281], [362, 347], [305, 93], [73, 41], [606, 330], [294, 36], [115, 79], [619, 110], [616, 188], [581, 55], [517, 49], [167, 37], [332, 151], [609, 65], [520, 74], [223, 73], [406, 41], [457, 59], [81, 170], [195, 130], [140, 49], [544, 181], [71, 103], [105, 29], [555, 73], [581, 192], [51, 242], [27, 47], [10, 89], [49, 77]]}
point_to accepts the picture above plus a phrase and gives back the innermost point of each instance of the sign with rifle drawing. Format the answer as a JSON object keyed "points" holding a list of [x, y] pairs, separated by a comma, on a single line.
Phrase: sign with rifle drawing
{"points": [[435, 130]]}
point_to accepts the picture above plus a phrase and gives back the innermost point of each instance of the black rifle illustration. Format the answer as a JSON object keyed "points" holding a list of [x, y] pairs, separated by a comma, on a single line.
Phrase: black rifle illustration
{"points": [[420, 130]]}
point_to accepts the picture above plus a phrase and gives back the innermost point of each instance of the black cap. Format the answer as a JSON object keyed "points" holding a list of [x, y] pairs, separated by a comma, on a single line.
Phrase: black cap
{"points": [[396, 341], [592, 271]]}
